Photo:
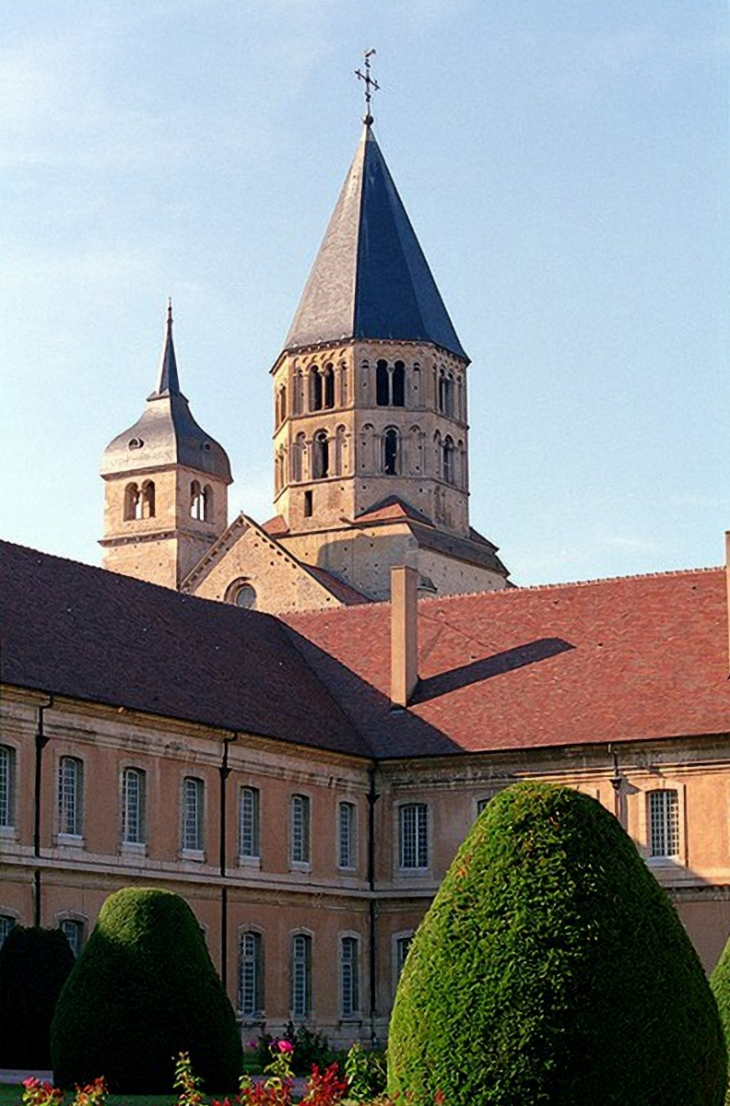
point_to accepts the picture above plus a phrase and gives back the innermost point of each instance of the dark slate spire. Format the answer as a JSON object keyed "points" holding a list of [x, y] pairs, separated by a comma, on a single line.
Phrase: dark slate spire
{"points": [[169, 383], [370, 279]]}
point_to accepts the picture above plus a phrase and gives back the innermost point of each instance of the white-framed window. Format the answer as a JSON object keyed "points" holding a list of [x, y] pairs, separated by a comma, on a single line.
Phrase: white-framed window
{"points": [[402, 944], [413, 835], [663, 818], [134, 795], [249, 841], [301, 975], [6, 924], [349, 976], [193, 799], [7, 786], [346, 835], [299, 829], [251, 974], [73, 931], [70, 797]]}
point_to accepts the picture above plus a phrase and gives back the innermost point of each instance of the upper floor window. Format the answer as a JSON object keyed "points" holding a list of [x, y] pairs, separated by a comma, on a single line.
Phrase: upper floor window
{"points": [[301, 975], [248, 827], [320, 455], [133, 806], [70, 796], [299, 829], [251, 975], [446, 394], [390, 384], [391, 451], [413, 835], [321, 388], [349, 976], [6, 924], [192, 814], [663, 823], [148, 499], [281, 404], [449, 466], [346, 857], [73, 931], [7, 786]]}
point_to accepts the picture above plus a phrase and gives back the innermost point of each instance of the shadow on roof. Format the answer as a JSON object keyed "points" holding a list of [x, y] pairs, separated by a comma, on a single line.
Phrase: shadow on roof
{"points": [[487, 667]]}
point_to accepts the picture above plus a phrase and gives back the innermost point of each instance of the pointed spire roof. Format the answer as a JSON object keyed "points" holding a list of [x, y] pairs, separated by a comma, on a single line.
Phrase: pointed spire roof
{"points": [[166, 433], [370, 279]]}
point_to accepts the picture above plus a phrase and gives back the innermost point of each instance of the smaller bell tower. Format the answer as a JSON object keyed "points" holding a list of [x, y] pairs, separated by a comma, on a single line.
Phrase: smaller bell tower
{"points": [[166, 486]]}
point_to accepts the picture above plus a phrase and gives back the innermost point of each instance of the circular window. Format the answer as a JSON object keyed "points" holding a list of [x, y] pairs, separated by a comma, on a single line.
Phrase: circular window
{"points": [[135, 443], [244, 596]]}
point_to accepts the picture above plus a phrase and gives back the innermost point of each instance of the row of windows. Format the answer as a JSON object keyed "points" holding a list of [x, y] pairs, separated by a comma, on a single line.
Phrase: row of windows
{"points": [[139, 501], [413, 818], [322, 388], [72, 929]]}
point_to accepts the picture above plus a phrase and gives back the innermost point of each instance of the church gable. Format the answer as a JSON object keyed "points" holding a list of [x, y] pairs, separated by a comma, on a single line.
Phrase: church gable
{"points": [[249, 568]]}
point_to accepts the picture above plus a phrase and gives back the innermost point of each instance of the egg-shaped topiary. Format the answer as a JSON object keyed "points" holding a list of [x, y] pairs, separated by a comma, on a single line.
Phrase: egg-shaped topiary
{"points": [[143, 990], [552, 967]]}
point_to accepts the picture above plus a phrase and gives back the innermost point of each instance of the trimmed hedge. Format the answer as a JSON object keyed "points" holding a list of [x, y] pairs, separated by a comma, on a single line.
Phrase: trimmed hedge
{"points": [[551, 967], [143, 990], [720, 984], [34, 965]]}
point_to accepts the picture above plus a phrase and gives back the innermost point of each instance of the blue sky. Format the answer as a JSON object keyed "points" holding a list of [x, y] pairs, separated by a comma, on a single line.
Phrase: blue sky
{"points": [[565, 166]]}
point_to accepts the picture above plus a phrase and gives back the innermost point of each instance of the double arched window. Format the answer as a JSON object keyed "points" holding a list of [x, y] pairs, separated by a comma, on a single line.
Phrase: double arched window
{"points": [[390, 384], [201, 501], [139, 502], [321, 388]]}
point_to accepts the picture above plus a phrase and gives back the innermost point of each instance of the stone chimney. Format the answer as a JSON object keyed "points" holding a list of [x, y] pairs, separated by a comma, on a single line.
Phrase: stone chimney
{"points": [[403, 634], [727, 580]]}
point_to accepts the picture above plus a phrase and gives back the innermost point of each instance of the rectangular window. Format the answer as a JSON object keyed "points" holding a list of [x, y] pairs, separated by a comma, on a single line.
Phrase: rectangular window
{"points": [[133, 806], [70, 797], [481, 805], [251, 976], [299, 829], [192, 814], [6, 924], [346, 857], [248, 829], [402, 946], [349, 977], [73, 931], [301, 976], [413, 819], [7, 786], [663, 823]]}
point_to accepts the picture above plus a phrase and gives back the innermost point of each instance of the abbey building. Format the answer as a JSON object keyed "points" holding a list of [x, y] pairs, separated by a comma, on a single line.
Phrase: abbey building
{"points": [[294, 723]]}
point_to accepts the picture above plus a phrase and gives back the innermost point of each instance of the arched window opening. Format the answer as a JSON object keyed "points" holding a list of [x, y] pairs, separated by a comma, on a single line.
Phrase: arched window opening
{"points": [[281, 404], [197, 502], [448, 460], [133, 806], [298, 457], [340, 446], [73, 931], [399, 384], [148, 499], [7, 786], [349, 977], [193, 797], [301, 975], [132, 503], [328, 386], [70, 803], [382, 384], [321, 458], [391, 449], [298, 397], [316, 391], [251, 975], [343, 383]]}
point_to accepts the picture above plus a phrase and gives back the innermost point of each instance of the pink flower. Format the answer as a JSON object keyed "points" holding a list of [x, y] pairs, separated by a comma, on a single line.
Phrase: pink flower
{"points": [[285, 1046], [253, 1043]]}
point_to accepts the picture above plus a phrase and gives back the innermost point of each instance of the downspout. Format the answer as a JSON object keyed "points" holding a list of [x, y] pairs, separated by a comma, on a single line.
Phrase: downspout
{"points": [[372, 903], [224, 772], [40, 743]]}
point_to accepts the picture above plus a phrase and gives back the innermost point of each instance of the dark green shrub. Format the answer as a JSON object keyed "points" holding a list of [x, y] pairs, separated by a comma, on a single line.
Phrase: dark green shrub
{"points": [[551, 967], [720, 984], [366, 1073], [143, 990], [34, 965], [309, 1047]]}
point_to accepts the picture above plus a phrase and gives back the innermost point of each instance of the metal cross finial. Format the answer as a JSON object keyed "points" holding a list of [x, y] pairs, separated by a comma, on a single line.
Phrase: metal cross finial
{"points": [[371, 85], [169, 309]]}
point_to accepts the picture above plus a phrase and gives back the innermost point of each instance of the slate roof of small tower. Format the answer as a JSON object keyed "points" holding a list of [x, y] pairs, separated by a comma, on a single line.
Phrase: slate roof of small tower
{"points": [[166, 433], [370, 279]]}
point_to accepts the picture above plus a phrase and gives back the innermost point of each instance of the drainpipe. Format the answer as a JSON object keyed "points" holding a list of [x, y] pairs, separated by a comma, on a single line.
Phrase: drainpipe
{"points": [[616, 781], [372, 903], [40, 743], [224, 772]]}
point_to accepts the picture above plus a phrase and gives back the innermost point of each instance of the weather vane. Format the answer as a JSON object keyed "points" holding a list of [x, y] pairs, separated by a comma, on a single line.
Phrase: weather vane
{"points": [[371, 85]]}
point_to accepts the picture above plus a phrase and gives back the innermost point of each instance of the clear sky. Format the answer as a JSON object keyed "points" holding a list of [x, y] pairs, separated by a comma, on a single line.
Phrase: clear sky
{"points": [[565, 166]]}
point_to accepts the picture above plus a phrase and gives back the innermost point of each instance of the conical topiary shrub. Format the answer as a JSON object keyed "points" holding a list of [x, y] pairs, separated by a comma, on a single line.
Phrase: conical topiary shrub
{"points": [[720, 984], [143, 990], [34, 965], [551, 967]]}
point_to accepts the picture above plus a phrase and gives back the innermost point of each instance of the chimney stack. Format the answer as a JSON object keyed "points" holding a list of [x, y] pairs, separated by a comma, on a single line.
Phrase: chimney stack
{"points": [[403, 634], [727, 581]]}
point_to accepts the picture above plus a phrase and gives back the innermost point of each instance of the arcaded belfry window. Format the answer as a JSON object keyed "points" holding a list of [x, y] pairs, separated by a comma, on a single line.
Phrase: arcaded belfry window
{"points": [[413, 835], [249, 831], [251, 975], [132, 503], [192, 814], [321, 388], [664, 823], [349, 977], [148, 499], [281, 404], [320, 455], [390, 384], [7, 786], [449, 468], [133, 806], [391, 451], [346, 843], [299, 829], [301, 975], [70, 797]]}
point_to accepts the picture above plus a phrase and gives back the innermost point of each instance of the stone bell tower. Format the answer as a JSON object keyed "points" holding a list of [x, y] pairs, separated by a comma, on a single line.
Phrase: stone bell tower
{"points": [[166, 486]]}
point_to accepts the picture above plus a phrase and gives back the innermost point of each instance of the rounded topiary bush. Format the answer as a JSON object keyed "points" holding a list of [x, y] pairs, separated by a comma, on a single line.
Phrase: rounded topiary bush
{"points": [[143, 990], [551, 967], [720, 984], [34, 965]]}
